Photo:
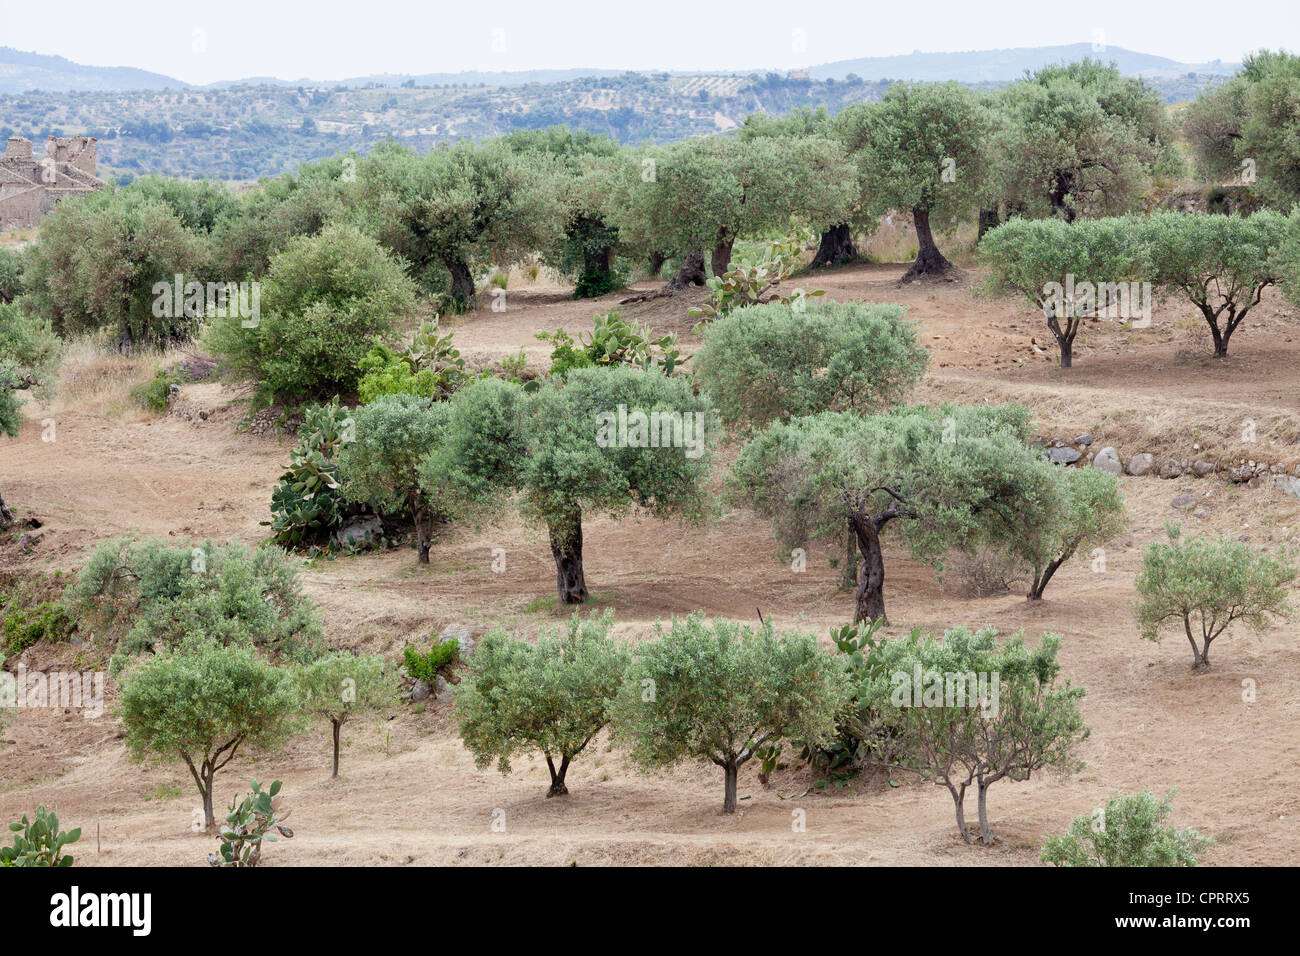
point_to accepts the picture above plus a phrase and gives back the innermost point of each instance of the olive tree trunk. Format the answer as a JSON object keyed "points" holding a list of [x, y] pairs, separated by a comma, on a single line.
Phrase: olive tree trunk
{"points": [[835, 247], [929, 260], [870, 598], [6, 516], [462, 283], [566, 548], [558, 789], [691, 271]]}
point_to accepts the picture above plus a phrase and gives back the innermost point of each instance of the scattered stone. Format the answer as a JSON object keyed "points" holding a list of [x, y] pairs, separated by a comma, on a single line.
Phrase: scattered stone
{"points": [[1241, 473], [1202, 468], [1183, 502], [1200, 513], [1108, 460], [364, 531], [420, 691], [1171, 469], [440, 686], [1064, 455], [1140, 464], [1085, 439]]}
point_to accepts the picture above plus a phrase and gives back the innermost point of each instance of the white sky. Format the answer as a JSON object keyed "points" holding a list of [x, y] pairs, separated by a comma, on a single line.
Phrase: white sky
{"points": [[333, 39]]}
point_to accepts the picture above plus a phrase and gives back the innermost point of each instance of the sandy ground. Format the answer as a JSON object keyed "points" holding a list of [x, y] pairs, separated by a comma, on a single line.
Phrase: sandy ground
{"points": [[409, 792]]}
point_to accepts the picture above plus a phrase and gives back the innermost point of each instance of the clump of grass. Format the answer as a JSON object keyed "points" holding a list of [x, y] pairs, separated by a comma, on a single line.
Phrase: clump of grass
{"points": [[152, 394]]}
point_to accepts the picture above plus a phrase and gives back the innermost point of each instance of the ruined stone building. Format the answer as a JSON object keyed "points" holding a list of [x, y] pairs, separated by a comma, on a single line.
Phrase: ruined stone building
{"points": [[30, 187]]}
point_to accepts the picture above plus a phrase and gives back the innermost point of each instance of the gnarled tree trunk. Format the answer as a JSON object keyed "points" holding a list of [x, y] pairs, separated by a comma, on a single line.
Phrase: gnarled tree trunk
{"points": [[929, 260], [6, 516], [722, 256], [988, 219], [462, 283], [566, 548], [870, 598], [836, 247], [558, 789], [731, 770], [691, 271]]}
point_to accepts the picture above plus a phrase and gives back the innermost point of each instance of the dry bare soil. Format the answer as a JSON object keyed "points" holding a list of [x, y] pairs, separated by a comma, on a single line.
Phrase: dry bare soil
{"points": [[409, 792]]}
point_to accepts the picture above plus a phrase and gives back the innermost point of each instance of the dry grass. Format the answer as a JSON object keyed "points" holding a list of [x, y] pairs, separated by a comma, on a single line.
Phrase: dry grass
{"points": [[94, 377]]}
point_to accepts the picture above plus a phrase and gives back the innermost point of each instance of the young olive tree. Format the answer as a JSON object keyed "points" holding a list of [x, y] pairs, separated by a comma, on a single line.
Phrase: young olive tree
{"points": [[339, 686], [204, 703], [459, 205], [1206, 585], [948, 477], [963, 712], [1085, 513], [766, 363], [1127, 831], [919, 149], [1222, 264], [601, 441], [1071, 272], [552, 696], [721, 691], [381, 465], [29, 356]]}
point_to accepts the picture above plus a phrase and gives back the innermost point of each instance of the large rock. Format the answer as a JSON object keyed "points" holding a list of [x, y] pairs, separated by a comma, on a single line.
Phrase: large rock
{"points": [[1203, 468], [1108, 460], [365, 531], [1171, 469], [1241, 473], [464, 641], [1064, 455], [1288, 484], [1183, 502], [421, 691], [1140, 464]]}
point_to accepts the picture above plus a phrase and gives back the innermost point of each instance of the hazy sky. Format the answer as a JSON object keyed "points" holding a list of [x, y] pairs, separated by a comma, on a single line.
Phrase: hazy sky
{"points": [[200, 42]]}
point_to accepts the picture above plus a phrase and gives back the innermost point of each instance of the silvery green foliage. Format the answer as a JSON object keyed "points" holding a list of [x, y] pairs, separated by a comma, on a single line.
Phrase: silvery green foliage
{"points": [[722, 691], [1128, 831], [551, 696], [765, 363], [1203, 585], [248, 824]]}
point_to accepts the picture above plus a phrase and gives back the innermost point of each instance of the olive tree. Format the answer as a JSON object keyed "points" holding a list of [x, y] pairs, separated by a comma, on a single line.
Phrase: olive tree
{"points": [[1072, 272], [551, 696], [29, 354], [765, 363], [720, 691], [601, 441], [338, 686], [1085, 512], [459, 205], [203, 703], [965, 712], [1222, 264], [1079, 140], [324, 299], [1206, 585], [919, 150], [97, 263], [703, 194], [948, 477], [381, 465]]}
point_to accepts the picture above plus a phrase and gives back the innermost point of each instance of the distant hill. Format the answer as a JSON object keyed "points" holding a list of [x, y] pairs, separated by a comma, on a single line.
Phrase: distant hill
{"points": [[20, 71], [1001, 66]]}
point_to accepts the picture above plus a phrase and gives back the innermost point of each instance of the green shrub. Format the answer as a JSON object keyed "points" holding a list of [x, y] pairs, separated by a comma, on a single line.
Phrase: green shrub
{"points": [[154, 596], [429, 665], [39, 842], [11, 274], [1127, 831], [765, 363], [430, 368], [25, 626], [325, 298], [153, 394]]}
